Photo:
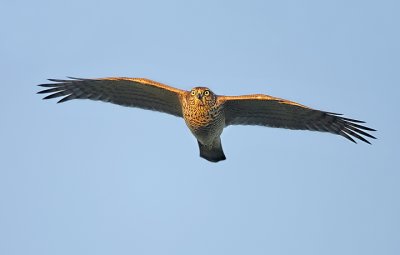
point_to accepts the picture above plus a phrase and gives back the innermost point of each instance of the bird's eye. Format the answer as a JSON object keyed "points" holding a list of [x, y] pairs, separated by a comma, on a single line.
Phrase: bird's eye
{"points": [[207, 92], [193, 93]]}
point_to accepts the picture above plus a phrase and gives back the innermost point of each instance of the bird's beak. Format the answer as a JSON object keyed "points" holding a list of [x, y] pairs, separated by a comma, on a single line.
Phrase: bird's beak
{"points": [[200, 98]]}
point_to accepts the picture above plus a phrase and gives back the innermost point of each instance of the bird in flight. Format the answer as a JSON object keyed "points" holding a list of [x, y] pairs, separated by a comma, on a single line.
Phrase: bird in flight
{"points": [[205, 113]]}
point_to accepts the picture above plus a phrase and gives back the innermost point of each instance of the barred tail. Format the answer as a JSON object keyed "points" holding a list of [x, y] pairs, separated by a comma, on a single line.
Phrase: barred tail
{"points": [[212, 153]]}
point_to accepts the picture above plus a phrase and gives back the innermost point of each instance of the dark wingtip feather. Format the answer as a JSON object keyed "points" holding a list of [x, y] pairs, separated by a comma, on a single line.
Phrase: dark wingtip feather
{"points": [[57, 94], [49, 85], [62, 100], [353, 120], [54, 80], [356, 135], [348, 137], [365, 140], [48, 97], [78, 79], [368, 135], [333, 113], [350, 130], [67, 98], [59, 80], [359, 131], [362, 127], [52, 90]]}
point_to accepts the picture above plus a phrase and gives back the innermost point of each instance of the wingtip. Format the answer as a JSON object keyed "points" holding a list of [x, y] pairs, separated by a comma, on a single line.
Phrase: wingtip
{"points": [[64, 80], [334, 113], [353, 120], [48, 97], [348, 137], [48, 85], [62, 100], [78, 79], [53, 80], [73, 78]]}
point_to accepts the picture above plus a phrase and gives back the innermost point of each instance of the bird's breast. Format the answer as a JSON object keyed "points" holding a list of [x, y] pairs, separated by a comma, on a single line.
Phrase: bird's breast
{"points": [[206, 123]]}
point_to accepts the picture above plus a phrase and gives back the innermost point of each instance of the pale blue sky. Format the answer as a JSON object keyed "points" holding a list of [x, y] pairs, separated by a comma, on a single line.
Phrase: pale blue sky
{"points": [[92, 178]]}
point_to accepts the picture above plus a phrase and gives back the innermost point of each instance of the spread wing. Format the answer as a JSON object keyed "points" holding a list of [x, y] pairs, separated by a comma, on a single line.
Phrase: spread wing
{"points": [[275, 112], [132, 92]]}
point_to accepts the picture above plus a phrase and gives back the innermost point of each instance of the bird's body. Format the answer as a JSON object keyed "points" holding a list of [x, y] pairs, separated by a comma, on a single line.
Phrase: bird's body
{"points": [[206, 120], [205, 113]]}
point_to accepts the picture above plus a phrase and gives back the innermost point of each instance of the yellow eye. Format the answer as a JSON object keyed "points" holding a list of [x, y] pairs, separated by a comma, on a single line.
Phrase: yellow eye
{"points": [[206, 93], [193, 93]]}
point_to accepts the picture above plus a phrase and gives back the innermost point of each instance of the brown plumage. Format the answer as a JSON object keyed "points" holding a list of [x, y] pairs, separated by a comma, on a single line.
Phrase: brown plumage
{"points": [[205, 113]]}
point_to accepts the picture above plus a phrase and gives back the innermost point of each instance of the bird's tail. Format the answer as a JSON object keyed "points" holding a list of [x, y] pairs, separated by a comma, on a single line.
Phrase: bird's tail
{"points": [[213, 153]]}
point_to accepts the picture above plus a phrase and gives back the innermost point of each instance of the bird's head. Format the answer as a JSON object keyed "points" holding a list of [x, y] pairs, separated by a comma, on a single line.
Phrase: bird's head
{"points": [[202, 96]]}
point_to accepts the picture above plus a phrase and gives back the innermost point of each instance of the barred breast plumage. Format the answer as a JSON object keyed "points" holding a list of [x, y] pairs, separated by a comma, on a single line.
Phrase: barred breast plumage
{"points": [[203, 115]]}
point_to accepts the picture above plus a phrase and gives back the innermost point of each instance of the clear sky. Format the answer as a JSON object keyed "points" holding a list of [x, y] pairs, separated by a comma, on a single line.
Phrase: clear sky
{"points": [[86, 177]]}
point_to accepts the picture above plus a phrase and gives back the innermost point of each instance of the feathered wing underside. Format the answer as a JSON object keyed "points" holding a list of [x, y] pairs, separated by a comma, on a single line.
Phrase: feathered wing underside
{"points": [[270, 111], [132, 92]]}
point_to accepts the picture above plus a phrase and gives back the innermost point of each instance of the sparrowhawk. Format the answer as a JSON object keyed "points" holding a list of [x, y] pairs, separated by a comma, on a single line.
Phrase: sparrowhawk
{"points": [[205, 113]]}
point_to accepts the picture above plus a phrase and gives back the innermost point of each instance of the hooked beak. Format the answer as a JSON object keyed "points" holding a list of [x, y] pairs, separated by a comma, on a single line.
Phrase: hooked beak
{"points": [[200, 98]]}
